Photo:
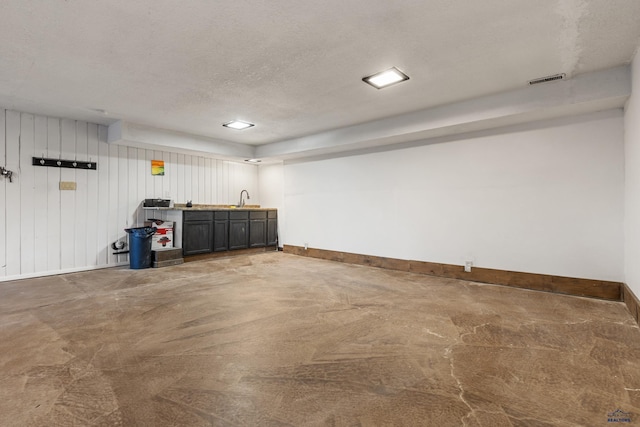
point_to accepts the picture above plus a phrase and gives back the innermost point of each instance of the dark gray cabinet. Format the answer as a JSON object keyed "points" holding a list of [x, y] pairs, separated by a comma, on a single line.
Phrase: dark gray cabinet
{"points": [[238, 230], [226, 230], [257, 229], [272, 228], [197, 232], [220, 231]]}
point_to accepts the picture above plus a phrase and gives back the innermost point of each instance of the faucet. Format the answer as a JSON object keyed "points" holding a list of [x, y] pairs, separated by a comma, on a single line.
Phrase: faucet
{"points": [[241, 203]]}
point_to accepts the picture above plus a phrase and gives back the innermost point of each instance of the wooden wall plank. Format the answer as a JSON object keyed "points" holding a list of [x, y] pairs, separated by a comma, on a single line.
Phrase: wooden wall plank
{"points": [[218, 180], [12, 195], [28, 204], [102, 226], [54, 240], [208, 196], [92, 197], [215, 183], [181, 196], [173, 177], [201, 181], [234, 191], [195, 195], [67, 198], [140, 181], [166, 182], [166, 179], [81, 222], [3, 193], [134, 209], [149, 182], [114, 185], [40, 196], [124, 219], [188, 188], [224, 186], [186, 174]]}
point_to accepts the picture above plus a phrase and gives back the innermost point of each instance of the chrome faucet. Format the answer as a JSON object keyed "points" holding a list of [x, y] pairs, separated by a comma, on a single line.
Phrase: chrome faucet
{"points": [[241, 203]]}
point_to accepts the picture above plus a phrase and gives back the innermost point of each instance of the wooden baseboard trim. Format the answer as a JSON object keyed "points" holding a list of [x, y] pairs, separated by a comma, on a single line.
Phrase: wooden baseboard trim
{"points": [[223, 254], [631, 301], [601, 289]]}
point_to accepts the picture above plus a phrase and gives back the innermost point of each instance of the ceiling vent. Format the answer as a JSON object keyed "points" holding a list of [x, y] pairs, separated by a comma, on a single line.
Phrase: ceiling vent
{"points": [[548, 79]]}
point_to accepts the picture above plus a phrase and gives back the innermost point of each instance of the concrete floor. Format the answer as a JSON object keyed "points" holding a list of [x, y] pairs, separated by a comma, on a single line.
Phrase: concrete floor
{"points": [[278, 340]]}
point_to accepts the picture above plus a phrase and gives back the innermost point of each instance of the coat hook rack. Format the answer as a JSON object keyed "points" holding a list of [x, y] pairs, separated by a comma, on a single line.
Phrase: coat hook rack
{"points": [[6, 173], [59, 163]]}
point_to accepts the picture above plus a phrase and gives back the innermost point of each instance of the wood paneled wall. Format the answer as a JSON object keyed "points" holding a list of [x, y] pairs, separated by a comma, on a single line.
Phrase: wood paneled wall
{"points": [[46, 231]]}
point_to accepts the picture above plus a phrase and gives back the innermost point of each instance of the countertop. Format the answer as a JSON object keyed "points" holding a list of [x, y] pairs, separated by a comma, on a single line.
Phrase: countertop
{"points": [[183, 207]]}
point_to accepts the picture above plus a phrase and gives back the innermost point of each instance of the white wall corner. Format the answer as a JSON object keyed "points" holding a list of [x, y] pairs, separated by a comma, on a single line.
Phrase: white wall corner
{"points": [[632, 180], [114, 132]]}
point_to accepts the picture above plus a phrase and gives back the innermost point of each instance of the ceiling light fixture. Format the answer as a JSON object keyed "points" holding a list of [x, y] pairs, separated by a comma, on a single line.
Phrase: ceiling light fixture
{"points": [[253, 160], [238, 124], [386, 78]]}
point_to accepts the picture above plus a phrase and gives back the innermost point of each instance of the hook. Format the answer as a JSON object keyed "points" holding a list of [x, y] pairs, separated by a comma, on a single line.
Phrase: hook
{"points": [[6, 173]]}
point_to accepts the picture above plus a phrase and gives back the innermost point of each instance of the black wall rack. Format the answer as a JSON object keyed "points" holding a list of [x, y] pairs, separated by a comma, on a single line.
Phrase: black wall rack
{"points": [[58, 163]]}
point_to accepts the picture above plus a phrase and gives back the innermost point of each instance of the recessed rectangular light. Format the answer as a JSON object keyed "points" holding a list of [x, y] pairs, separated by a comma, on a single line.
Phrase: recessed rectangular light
{"points": [[386, 78], [238, 124], [253, 160]]}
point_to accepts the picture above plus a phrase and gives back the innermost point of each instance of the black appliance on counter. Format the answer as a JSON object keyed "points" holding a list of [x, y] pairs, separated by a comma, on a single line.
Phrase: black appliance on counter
{"points": [[156, 203]]}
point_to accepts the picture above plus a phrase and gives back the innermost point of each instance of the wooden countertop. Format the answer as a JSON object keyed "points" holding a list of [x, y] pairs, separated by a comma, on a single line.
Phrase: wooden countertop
{"points": [[183, 207]]}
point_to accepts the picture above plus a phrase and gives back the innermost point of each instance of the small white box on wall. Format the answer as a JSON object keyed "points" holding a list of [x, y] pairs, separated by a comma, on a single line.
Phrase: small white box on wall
{"points": [[163, 237]]}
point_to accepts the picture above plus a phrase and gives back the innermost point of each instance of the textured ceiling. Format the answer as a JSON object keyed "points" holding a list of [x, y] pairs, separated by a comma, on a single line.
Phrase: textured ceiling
{"points": [[292, 67]]}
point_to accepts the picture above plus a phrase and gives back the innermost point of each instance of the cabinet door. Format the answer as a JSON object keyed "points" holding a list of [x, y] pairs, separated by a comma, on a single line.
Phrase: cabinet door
{"points": [[238, 234], [258, 233], [272, 232], [272, 227], [197, 237], [198, 216], [220, 235]]}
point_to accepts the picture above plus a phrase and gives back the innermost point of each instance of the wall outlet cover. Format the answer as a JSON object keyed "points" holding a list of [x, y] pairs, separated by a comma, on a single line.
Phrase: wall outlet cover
{"points": [[68, 185]]}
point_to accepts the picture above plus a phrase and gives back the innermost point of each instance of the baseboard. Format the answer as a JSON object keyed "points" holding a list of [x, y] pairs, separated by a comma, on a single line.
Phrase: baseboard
{"points": [[631, 301], [601, 289], [223, 254], [60, 272]]}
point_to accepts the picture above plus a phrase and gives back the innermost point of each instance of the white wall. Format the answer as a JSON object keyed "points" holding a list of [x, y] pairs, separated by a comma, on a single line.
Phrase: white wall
{"points": [[271, 188], [45, 230], [632, 181], [543, 198]]}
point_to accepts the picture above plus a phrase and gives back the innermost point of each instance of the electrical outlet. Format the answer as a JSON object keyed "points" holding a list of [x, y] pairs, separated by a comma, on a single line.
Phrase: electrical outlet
{"points": [[68, 185], [306, 246], [467, 266]]}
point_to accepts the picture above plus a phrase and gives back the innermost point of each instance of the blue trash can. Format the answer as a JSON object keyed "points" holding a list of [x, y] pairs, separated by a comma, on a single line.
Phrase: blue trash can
{"points": [[140, 246]]}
